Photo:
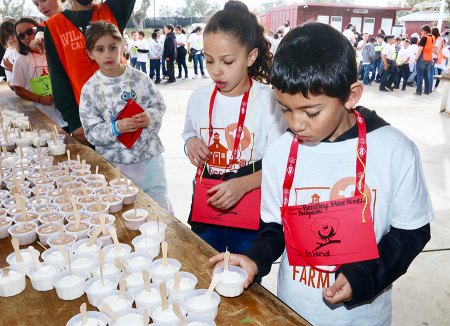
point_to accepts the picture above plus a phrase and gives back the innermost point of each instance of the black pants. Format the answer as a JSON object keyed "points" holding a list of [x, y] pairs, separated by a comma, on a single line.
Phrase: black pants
{"points": [[171, 69], [181, 61], [389, 75], [403, 73]]}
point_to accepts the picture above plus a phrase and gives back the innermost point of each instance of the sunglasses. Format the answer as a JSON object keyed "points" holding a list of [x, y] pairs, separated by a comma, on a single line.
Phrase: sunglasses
{"points": [[29, 32]]}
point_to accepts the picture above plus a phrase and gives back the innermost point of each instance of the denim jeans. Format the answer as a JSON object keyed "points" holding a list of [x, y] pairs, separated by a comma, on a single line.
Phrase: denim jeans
{"points": [[412, 75], [163, 65], [439, 72], [133, 62], [423, 71], [142, 66], [430, 76], [367, 69], [198, 60], [377, 69], [155, 68]]}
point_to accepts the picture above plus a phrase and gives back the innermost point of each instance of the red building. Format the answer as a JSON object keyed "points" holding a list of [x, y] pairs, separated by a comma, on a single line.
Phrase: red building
{"points": [[367, 19]]}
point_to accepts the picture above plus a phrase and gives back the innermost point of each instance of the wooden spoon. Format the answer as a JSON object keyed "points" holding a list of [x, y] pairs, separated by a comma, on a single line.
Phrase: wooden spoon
{"points": [[113, 232], [164, 246], [163, 292], [107, 310], [122, 289], [34, 256], [212, 286], [177, 310], [15, 244], [83, 311]]}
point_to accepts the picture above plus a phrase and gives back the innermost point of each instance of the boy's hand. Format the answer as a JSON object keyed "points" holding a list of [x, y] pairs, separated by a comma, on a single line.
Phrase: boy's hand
{"points": [[226, 194], [340, 291], [46, 100], [197, 151], [238, 260], [141, 119], [127, 125]]}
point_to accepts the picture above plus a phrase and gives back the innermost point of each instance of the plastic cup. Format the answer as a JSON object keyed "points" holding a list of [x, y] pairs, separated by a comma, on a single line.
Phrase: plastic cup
{"points": [[83, 265], [56, 218], [97, 290], [148, 299], [54, 257], [80, 233], [42, 278], [82, 248], [68, 287], [26, 266], [166, 317], [137, 262], [45, 231], [231, 283], [135, 284], [188, 282], [115, 203], [196, 303], [62, 239], [130, 317], [93, 318], [5, 224], [111, 253], [129, 195], [118, 305], [147, 245], [150, 229], [95, 219], [93, 209], [13, 284], [161, 273], [110, 271], [134, 218], [105, 239], [24, 232]]}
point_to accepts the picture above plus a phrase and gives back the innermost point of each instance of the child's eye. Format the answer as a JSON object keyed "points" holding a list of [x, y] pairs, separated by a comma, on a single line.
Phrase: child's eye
{"points": [[228, 63], [312, 115], [99, 50], [113, 48], [208, 62]]}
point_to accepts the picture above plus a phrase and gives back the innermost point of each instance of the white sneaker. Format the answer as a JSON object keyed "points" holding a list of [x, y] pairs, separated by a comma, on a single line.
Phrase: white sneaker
{"points": [[195, 77], [204, 76]]}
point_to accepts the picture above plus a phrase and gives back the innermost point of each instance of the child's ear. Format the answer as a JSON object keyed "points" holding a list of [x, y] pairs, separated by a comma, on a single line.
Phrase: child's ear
{"points": [[252, 55], [356, 90], [89, 55]]}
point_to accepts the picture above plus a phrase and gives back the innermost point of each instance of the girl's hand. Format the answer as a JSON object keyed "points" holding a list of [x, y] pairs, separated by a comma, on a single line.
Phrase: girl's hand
{"points": [[238, 260], [227, 193], [46, 100], [38, 43], [127, 125], [8, 64], [141, 119], [197, 151], [340, 291]]}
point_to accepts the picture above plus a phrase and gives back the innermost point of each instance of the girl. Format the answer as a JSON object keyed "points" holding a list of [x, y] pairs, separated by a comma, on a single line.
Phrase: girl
{"points": [[195, 45], [103, 97], [238, 60], [9, 41], [442, 65], [30, 75], [181, 51], [66, 52]]}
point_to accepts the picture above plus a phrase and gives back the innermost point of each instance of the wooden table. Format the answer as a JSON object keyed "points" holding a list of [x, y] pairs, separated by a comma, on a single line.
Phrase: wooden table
{"points": [[256, 306]]}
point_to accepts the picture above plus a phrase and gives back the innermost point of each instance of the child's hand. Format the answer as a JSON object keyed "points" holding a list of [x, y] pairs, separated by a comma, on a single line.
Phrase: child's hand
{"points": [[46, 100], [38, 43], [238, 260], [8, 65], [127, 125], [226, 194], [78, 134], [141, 119], [197, 151], [340, 291]]}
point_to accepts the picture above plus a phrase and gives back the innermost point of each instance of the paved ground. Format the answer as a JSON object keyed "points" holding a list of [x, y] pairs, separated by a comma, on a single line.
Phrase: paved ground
{"points": [[422, 296]]}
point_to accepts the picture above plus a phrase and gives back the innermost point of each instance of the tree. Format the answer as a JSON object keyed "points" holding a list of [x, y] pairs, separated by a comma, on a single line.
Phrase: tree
{"points": [[138, 17], [197, 8], [165, 11], [13, 8]]}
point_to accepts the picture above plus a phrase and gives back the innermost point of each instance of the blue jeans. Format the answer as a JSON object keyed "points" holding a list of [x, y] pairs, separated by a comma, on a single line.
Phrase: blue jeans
{"points": [[412, 75], [142, 66], [367, 69], [198, 59], [377, 69], [155, 68], [133, 62], [430, 76], [423, 71], [163, 65]]}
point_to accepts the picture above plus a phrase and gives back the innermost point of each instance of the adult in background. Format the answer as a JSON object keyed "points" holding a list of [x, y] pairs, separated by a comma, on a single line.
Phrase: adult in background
{"points": [[368, 58], [67, 59], [170, 53], [181, 51], [349, 35], [424, 58], [195, 47], [412, 61], [437, 55], [389, 65]]}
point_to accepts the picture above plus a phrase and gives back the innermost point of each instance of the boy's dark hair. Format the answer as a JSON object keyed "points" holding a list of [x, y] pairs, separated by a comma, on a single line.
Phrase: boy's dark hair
{"points": [[244, 27], [141, 33], [398, 39], [372, 40], [349, 25], [315, 59], [169, 27], [21, 47], [156, 30], [414, 40], [6, 30], [98, 29], [154, 35], [426, 28]]}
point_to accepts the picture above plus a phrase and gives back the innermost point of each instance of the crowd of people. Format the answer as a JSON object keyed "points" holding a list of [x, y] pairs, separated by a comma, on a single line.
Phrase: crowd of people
{"points": [[275, 128], [397, 61]]}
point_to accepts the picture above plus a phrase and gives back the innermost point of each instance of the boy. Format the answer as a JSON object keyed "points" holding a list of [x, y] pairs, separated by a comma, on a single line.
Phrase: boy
{"points": [[317, 102]]}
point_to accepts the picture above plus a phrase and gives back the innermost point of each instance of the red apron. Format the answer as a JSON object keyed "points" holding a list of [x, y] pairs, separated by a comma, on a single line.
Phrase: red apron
{"points": [[246, 213], [333, 232]]}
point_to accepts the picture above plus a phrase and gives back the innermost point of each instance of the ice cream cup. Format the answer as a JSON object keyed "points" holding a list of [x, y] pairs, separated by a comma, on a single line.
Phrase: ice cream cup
{"points": [[34, 201], [137, 262], [109, 219], [42, 278], [166, 317], [43, 209], [188, 282], [92, 208], [68, 208], [135, 284], [97, 290], [130, 317], [115, 203], [111, 253], [199, 321], [105, 238], [13, 284], [128, 194], [24, 232], [31, 216], [83, 265], [86, 199], [56, 148], [94, 318], [110, 271], [150, 229], [161, 273], [54, 257], [85, 216], [134, 218], [94, 178], [119, 183], [118, 305], [148, 299], [64, 239], [26, 266], [81, 232], [12, 210], [82, 248], [231, 283], [56, 218], [5, 224], [69, 287], [196, 303], [45, 231], [147, 245]]}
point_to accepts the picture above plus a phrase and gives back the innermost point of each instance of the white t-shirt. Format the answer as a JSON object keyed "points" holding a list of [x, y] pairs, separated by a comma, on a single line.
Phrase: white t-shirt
{"points": [[132, 47], [10, 54], [359, 52], [398, 197], [348, 33], [263, 121], [403, 54], [389, 51], [443, 64], [143, 45], [181, 38], [196, 41], [412, 61], [30, 66]]}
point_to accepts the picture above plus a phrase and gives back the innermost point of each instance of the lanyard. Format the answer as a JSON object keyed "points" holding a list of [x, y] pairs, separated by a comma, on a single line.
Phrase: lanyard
{"points": [[240, 125], [361, 153]]}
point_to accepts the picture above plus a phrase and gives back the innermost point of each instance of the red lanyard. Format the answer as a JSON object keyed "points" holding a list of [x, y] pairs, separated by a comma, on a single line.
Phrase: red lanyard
{"points": [[361, 152], [240, 125]]}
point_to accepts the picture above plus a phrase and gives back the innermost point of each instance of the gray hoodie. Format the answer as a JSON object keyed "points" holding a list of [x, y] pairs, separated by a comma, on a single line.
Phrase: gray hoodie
{"points": [[368, 53]]}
